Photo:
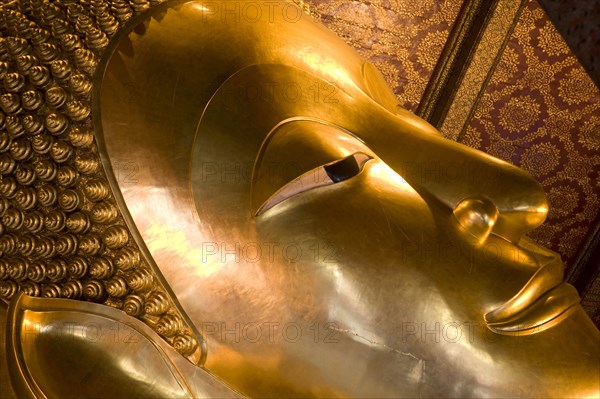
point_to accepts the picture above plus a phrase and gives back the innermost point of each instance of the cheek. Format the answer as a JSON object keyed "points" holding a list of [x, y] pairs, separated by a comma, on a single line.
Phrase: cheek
{"points": [[328, 228]]}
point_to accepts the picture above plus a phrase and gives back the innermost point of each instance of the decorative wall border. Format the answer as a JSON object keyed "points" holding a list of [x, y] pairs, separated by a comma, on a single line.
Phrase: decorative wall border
{"points": [[482, 64], [456, 57]]}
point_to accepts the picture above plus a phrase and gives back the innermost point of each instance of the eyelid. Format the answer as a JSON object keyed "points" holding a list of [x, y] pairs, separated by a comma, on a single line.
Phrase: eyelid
{"points": [[325, 175]]}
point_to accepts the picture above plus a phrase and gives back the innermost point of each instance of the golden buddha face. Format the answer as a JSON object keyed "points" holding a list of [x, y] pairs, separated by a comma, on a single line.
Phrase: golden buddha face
{"points": [[323, 242], [318, 250]]}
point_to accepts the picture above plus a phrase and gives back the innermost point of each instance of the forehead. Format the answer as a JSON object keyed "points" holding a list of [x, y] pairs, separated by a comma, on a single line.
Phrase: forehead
{"points": [[155, 84], [162, 145]]}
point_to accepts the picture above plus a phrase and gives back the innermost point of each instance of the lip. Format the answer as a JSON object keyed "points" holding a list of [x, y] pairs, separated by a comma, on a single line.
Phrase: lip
{"points": [[539, 304]]}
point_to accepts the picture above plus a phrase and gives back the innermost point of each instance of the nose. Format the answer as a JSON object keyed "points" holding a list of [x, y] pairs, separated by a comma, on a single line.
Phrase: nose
{"points": [[487, 195], [477, 216]]}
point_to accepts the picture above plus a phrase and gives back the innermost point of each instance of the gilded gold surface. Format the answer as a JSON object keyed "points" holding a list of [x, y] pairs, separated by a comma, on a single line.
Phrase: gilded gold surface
{"points": [[302, 222], [54, 344], [219, 212]]}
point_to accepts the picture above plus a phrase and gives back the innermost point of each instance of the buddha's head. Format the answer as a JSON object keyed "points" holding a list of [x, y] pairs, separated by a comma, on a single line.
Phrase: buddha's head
{"points": [[323, 240]]}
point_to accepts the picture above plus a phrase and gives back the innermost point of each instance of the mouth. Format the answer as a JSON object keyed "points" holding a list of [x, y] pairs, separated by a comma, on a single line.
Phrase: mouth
{"points": [[540, 304]]}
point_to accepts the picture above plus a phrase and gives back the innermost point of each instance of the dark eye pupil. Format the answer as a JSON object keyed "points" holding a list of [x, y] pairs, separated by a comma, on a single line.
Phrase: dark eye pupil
{"points": [[343, 169]]}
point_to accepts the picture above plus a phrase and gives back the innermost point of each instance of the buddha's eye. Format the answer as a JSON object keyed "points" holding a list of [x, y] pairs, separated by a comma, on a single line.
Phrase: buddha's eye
{"points": [[343, 169], [331, 173]]}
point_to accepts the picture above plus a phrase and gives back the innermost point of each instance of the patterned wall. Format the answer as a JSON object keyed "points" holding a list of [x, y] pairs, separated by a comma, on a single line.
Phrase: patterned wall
{"points": [[403, 38], [542, 112]]}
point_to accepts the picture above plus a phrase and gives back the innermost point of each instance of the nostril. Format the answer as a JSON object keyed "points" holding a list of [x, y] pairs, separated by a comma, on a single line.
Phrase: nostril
{"points": [[477, 216]]}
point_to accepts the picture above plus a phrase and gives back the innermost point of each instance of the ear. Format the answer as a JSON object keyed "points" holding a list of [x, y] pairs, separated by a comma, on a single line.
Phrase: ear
{"points": [[71, 349]]}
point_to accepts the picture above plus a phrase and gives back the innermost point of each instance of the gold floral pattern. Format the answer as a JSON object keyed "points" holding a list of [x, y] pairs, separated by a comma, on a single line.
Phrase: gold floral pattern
{"points": [[562, 202], [433, 41], [548, 43], [576, 87], [519, 114], [571, 239], [590, 133], [541, 159]]}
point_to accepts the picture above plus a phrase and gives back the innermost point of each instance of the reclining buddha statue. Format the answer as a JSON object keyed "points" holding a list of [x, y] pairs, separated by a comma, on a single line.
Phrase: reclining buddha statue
{"points": [[221, 199]]}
